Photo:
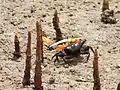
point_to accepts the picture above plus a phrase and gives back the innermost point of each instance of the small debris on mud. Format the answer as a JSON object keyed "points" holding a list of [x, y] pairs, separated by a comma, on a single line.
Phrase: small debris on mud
{"points": [[108, 17]]}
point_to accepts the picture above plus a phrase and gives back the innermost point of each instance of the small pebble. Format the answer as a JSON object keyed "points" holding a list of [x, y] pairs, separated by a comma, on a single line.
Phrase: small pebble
{"points": [[107, 70], [94, 6], [66, 66], [44, 16], [91, 21], [109, 51], [61, 9], [98, 2], [70, 15], [51, 80], [118, 66], [66, 82]]}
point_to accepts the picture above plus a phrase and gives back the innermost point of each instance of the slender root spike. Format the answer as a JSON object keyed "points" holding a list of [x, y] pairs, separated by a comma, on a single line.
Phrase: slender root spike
{"points": [[118, 87], [96, 72], [56, 26], [39, 58], [41, 45], [17, 52], [26, 79], [105, 5]]}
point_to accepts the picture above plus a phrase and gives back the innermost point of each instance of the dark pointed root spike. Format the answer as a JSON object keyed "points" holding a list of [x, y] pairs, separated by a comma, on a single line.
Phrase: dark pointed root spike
{"points": [[39, 58], [105, 5]]}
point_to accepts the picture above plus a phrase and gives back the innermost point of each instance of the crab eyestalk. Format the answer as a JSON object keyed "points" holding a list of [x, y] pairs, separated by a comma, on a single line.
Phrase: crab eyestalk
{"points": [[39, 58], [105, 5], [26, 79], [96, 72], [17, 52], [56, 26]]}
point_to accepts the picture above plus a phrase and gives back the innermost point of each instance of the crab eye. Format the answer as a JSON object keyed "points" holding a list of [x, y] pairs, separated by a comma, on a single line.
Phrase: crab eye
{"points": [[50, 48]]}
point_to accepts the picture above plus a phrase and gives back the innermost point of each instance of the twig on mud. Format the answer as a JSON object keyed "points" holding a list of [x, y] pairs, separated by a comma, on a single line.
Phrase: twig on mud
{"points": [[39, 58], [17, 52], [105, 5], [26, 79], [56, 26], [97, 85]]}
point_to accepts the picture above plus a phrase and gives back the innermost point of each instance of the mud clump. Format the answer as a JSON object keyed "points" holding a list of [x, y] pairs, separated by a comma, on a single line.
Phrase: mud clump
{"points": [[108, 17]]}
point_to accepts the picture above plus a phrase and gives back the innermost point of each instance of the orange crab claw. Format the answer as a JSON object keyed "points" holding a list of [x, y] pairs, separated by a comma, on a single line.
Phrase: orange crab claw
{"points": [[61, 47]]}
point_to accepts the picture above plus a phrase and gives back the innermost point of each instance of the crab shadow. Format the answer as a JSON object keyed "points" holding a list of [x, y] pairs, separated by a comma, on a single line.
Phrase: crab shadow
{"points": [[72, 62]]}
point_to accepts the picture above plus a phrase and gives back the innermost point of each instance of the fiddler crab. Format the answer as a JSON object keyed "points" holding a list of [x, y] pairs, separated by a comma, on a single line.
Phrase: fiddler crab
{"points": [[69, 48]]}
